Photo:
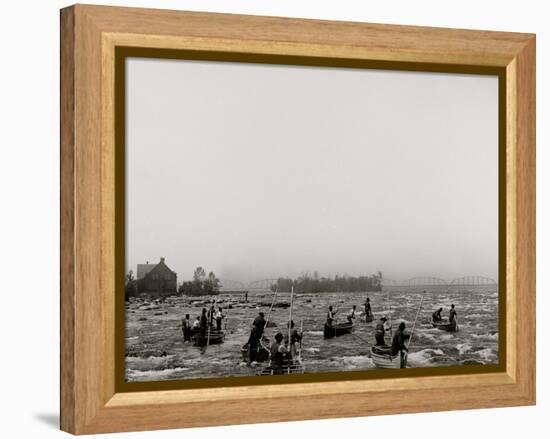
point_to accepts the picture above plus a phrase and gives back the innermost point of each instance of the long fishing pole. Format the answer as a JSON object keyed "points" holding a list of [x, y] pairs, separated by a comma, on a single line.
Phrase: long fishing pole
{"points": [[389, 313], [416, 317], [364, 340], [209, 323], [301, 336], [271, 307], [290, 321], [268, 315]]}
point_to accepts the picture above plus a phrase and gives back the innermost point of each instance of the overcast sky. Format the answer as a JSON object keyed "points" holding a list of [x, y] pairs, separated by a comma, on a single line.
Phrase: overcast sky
{"points": [[260, 171]]}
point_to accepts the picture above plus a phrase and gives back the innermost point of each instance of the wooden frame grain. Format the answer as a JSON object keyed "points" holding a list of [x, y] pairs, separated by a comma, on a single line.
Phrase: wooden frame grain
{"points": [[89, 38]]}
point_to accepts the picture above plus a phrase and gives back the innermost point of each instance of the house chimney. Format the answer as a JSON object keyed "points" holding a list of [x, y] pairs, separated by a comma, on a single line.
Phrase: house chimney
{"points": [[161, 259]]}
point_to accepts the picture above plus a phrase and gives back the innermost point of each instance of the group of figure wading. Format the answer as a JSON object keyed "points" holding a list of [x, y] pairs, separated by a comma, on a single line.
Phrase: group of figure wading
{"points": [[209, 320], [283, 350], [436, 316], [399, 338], [352, 314]]}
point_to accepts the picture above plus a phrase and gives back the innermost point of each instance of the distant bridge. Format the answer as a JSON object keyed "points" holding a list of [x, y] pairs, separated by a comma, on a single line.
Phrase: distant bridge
{"points": [[473, 281], [231, 285], [420, 282], [415, 282]]}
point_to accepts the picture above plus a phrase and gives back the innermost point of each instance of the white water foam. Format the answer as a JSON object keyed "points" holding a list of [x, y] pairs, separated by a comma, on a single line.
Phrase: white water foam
{"points": [[424, 356], [487, 354], [353, 362], [152, 374], [463, 348]]}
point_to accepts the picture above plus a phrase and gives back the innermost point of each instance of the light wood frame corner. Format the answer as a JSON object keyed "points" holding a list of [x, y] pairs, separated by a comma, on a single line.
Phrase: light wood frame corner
{"points": [[89, 37]]}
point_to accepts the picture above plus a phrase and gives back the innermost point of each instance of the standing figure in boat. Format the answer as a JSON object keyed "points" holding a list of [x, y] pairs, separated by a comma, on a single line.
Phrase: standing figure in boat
{"points": [[330, 316], [219, 317], [211, 313], [259, 324], [255, 336], [380, 331], [280, 356], [186, 328], [398, 341], [368, 311], [351, 315], [436, 316], [394, 356], [196, 326], [204, 324], [452, 314], [295, 338]]}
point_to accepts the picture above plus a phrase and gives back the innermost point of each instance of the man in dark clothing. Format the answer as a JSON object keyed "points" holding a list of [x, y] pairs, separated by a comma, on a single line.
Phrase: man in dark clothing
{"points": [[368, 311], [186, 328], [295, 338], [255, 336], [436, 316], [204, 323], [259, 322], [380, 331], [399, 338], [452, 314]]}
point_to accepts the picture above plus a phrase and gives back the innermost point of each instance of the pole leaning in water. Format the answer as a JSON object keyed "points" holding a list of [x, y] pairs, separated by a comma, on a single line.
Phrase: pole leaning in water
{"points": [[301, 336], [290, 321], [389, 313], [209, 323], [416, 317], [268, 316]]}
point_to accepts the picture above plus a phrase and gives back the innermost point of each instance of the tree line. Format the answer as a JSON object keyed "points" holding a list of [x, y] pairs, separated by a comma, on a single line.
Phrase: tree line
{"points": [[202, 284], [315, 284]]}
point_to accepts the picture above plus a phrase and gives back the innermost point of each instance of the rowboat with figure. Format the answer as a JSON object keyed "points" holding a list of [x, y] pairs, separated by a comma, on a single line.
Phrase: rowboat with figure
{"points": [[382, 358], [214, 336], [445, 325], [291, 362]]}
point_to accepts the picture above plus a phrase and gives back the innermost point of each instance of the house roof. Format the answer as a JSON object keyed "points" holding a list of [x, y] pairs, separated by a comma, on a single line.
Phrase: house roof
{"points": [[144, 269]]}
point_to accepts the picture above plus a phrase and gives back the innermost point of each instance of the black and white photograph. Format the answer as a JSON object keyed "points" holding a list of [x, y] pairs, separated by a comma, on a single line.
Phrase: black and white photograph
{"points": [[288, 219]]}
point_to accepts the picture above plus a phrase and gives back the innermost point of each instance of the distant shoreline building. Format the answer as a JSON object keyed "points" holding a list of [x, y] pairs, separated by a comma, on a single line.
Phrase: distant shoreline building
{"points": [[156, 279]]}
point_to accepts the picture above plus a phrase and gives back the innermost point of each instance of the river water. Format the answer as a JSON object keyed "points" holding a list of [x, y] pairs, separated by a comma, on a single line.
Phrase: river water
{"points": [[155, 350]]}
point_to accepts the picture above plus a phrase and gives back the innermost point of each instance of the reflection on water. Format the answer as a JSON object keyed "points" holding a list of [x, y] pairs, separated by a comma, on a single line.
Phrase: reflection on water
{"points": [[155, 349]]}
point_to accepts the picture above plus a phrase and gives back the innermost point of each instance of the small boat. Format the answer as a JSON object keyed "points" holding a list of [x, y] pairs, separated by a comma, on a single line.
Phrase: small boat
{"points": [[337, 329], [445, 325], [296, 367], [262, 352], [215, 337], [382, 358], [290, 366], [369, 318]]}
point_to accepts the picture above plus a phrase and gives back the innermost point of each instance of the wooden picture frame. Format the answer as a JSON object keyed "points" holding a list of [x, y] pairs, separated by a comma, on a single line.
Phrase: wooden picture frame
{"points": [[91, 400]]}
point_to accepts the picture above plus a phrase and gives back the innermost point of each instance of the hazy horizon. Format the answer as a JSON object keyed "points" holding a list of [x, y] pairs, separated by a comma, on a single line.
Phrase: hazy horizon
{"points": [[262, 171]]}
